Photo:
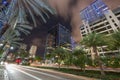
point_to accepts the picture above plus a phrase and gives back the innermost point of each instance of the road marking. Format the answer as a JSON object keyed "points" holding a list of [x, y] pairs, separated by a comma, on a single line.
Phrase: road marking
{"points": [[46, 74], [28, 74]]}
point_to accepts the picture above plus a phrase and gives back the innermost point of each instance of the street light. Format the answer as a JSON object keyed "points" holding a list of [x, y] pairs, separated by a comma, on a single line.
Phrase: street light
{"points": [[11, 48], [1, 45]]}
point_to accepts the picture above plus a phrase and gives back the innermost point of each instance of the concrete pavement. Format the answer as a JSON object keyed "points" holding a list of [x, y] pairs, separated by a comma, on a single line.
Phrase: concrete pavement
{"points": [[61, 73], [3, 73], [17, 72]]}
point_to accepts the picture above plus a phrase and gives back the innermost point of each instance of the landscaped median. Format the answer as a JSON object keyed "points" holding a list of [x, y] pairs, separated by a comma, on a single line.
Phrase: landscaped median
{"points": [[88, 73]]}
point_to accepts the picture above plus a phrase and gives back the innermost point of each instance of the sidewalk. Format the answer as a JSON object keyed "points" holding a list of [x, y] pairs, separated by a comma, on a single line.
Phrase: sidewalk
{"points": [[3, 73]]}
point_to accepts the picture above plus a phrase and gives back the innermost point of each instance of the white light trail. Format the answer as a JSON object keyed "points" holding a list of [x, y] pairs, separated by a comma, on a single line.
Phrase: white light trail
{"points": [[46, 74], [10, 67]]}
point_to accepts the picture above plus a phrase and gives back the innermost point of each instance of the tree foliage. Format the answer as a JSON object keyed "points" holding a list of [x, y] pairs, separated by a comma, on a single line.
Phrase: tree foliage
{"points": [[79, 58], [38, 58], [114, 40], [95, 40]]}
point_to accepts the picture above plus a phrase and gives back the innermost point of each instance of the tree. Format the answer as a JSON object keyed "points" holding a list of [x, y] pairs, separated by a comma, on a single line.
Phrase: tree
{"points": [[114, 41], [95, 40], [12, 36], [24, 13], [1, 51], [20, 10], [19, 14], [10, 39], [68, 60], [23, 53], [37, 7], [59, 55], [38, 58], [79, 58], [49, 56]]}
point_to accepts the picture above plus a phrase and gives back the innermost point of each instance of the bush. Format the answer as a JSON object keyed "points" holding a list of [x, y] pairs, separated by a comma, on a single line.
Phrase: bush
{"points": [[25, 62], [88, 73], [89, 62], [113, 62], [116, 63]]}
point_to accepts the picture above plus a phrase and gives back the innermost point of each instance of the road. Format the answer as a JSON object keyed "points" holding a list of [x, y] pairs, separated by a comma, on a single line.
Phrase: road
{"points": [[17, 72]]}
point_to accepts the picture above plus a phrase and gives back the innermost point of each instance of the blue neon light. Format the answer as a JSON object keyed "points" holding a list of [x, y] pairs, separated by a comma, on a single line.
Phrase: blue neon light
{"points": [[4, 2]]}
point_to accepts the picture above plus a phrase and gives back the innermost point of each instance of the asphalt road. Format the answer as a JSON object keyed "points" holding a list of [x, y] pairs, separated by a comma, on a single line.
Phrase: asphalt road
{"points": [[17, 72]]}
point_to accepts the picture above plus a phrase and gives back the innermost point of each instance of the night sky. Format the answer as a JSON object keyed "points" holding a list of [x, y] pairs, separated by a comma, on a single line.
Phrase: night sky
{"points": [[68, 15]]}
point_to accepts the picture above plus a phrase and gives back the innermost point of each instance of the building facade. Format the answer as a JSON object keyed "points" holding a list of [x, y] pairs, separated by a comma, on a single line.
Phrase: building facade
{"points": [[59, 35], [107, 23]]}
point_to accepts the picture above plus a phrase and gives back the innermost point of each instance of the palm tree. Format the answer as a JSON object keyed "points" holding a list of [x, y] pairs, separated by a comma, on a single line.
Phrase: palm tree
{"points": [[116, 40], [1, 51], [18, 13], [23, 28], [10, 36], [31, 8], [23, 11], [95, 40], [10, 39]]}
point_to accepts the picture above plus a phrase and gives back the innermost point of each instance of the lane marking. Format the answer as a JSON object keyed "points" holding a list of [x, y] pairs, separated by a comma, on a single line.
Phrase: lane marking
{"points": [[46, 74], [37, 78]]}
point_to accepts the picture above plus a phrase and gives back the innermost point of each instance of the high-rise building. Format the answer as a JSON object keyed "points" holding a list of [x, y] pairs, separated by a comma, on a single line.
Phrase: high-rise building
{"points": [[107, 24], [97, 17], [100, 19], [59, 35]]}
